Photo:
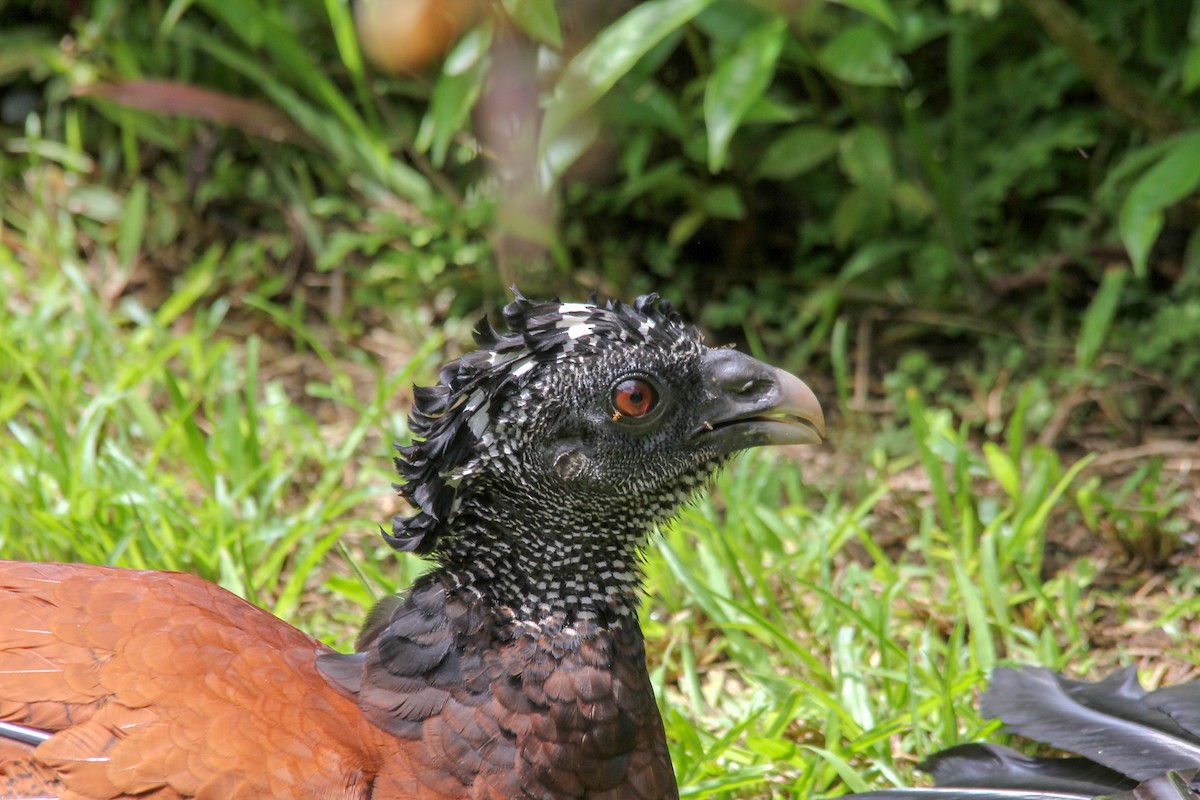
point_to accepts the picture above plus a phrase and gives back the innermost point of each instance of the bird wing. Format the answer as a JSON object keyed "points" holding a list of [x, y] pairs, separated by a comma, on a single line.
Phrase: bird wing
{"points": [[162, 685]]}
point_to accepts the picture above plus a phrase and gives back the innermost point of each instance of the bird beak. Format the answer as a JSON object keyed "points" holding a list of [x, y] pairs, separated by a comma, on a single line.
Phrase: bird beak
{"points": [[751, 404]]}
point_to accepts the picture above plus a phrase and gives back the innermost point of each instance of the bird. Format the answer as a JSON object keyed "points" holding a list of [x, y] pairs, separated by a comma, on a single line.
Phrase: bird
{"points": [[1132, 744], [515, 668]]}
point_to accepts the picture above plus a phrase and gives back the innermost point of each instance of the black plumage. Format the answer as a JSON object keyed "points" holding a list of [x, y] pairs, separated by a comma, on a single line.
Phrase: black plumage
{"points": [[1131, 743], [541, 463]]}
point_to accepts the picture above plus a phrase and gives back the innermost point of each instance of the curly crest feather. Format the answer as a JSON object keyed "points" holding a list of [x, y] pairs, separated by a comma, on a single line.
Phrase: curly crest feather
{"points": [[450, 419]]}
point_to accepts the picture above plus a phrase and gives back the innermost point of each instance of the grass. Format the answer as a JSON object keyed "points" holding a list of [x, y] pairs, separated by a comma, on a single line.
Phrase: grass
{"points": [[816, 625]]}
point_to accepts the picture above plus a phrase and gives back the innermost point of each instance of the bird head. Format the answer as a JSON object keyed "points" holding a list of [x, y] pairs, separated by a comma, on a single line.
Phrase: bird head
{"points": [[596, 419]]}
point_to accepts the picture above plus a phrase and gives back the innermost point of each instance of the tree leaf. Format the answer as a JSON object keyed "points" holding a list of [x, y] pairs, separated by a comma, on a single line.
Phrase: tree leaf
{"points": [[723, 201], [132, 231], [603, 62], [565, 149], [861, 55], [1174, 177], [739, 80], [860, 213], [801, 149], [538, 19], [1191, 69], [456, 92], [866, 159], [1099, 316], [878, 9]]}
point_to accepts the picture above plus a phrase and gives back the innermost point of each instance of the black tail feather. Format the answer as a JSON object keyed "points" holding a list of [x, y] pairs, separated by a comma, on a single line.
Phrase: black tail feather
{"points": [[984, 766], [1133, 744], [1112, 722]]}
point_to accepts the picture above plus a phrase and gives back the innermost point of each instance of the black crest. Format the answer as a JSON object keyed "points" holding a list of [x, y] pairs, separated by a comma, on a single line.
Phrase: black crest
{"points": [[450, 420]]}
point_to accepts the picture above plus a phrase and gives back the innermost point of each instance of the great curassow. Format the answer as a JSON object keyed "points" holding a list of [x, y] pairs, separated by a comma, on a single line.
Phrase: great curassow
{"points": [[514, 669], [1132, 744]]}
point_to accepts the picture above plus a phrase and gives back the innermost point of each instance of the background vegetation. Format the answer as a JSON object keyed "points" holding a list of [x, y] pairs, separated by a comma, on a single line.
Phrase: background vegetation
{"points": [[229, 243]]}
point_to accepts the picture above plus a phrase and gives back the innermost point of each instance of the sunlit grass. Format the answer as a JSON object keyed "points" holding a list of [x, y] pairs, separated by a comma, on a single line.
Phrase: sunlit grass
{"points": [[137, 439], [798, 658], [816, 625]]}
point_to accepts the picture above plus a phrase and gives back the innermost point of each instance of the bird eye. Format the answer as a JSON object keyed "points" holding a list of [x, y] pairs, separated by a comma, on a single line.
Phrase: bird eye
{"points": [[633, 397]]}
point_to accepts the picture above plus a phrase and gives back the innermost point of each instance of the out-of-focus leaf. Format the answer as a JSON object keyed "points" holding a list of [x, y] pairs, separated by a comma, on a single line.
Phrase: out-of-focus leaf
{"points": [[23, 48], [912, 199], [565, 148], [132, 229], [667, 180], [729, 22], [1003, 468], [1099, 316], [1191, 69], [866, 159], [738, 80], [796, 152], [170, 98], [97, 202], [537, 18], [1173, 178], [861, 55], [878, 9], [456, 92], [341, 24], [269, 29], [355, 143], [246, 19], [685, 227], [724, 202], [649, 107], [602, 63], [868, 257], [859, 212], [769, 110]]}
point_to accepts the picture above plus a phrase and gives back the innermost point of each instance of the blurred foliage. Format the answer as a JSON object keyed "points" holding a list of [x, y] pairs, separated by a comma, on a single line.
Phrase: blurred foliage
{"points": [[941, 199], [775, 165]]}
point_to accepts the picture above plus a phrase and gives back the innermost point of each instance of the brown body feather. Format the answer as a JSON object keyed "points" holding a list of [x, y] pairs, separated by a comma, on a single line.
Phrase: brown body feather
{"points": [[162, 685]]}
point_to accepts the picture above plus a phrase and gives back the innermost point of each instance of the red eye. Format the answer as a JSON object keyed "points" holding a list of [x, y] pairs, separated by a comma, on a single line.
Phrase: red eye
{"points": [[633, 397]]}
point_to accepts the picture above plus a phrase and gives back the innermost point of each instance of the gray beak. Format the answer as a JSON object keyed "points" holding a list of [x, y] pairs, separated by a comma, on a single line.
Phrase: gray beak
{"points": [[751, 404]]}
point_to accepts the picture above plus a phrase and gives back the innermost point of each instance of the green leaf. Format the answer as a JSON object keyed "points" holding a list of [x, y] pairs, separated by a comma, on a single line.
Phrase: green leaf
{"points": [[866, 159], [565, 148], [878, 9], [850, 216], [1099, 316], [801, 149], [860, 213], [354, 144], [133, 226], [983, 648], [685, 227], [1191, 69], [739, 80], [724, 202], [1003, 469], [861, 55], [1173, 178], [456, 92], [602, 63], [537, 18]]}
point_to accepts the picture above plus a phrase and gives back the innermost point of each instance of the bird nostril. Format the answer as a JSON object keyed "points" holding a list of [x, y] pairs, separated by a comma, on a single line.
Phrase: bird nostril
{"points": [[753, 386]]}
